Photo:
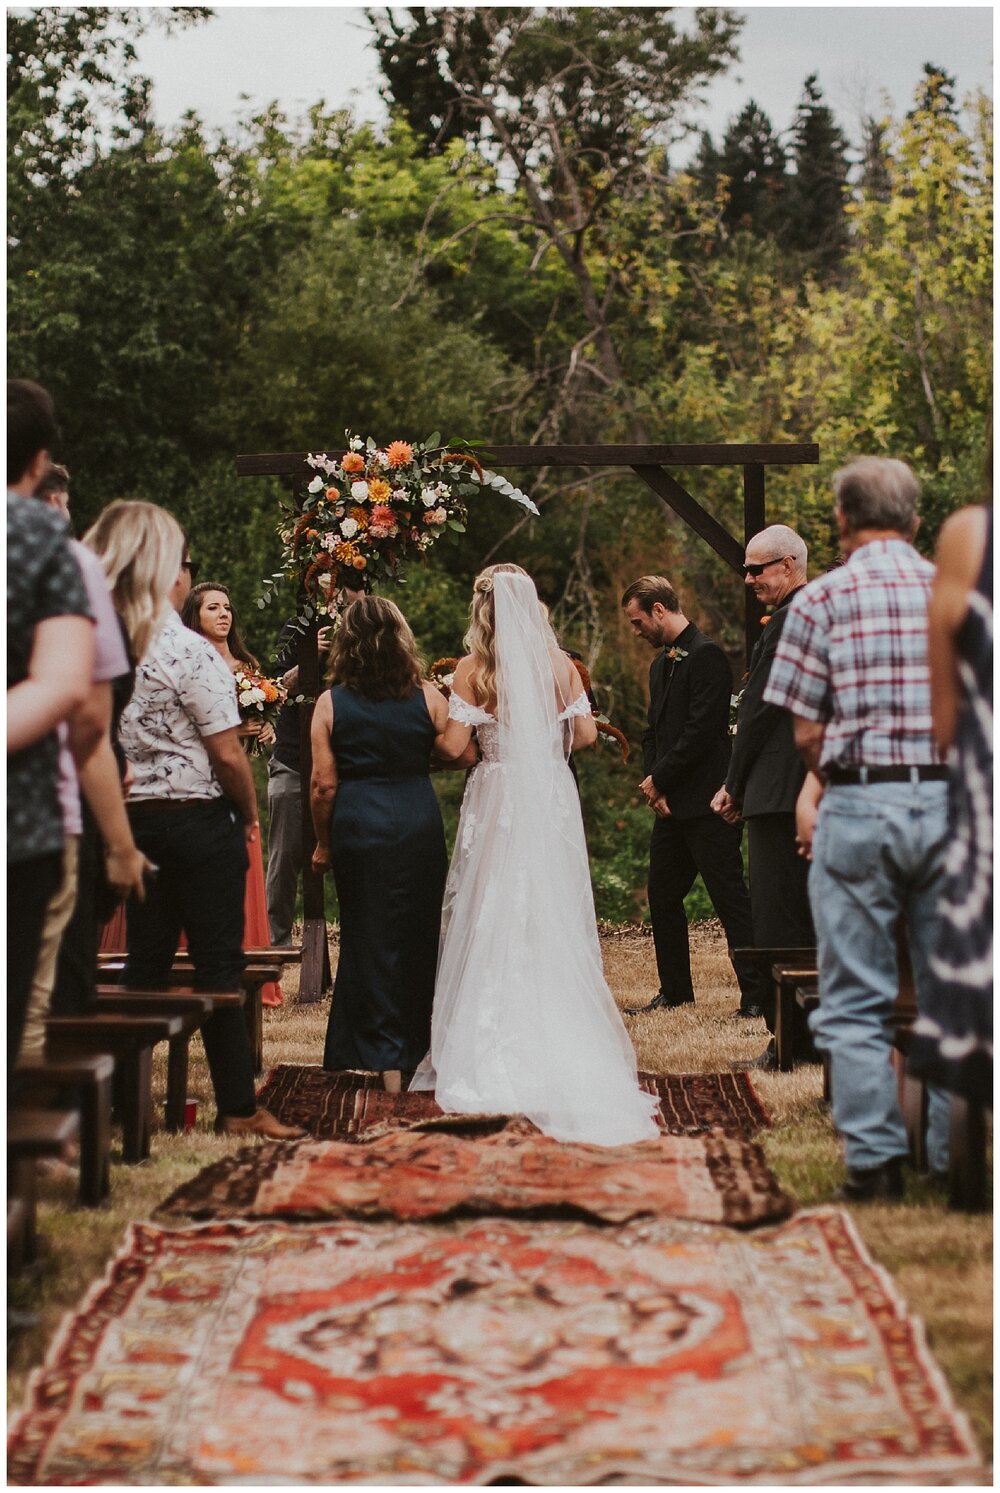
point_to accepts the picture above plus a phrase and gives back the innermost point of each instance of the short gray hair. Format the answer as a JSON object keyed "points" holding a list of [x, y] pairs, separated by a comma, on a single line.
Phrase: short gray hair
{"points": [[779, 540], [877, 492]]}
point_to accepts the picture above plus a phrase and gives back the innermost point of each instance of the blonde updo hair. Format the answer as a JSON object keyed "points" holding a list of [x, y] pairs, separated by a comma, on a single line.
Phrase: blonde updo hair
{"points": [[480, 640], [141, 548], [373, 651]]}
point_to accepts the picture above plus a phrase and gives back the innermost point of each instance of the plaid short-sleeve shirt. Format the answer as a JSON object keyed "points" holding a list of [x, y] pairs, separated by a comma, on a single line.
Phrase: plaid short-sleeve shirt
{"points": [[853, 654]]}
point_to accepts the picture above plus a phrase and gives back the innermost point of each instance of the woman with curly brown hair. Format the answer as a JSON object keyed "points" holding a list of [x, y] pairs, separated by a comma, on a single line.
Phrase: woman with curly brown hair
{"points": [[378, 827]]}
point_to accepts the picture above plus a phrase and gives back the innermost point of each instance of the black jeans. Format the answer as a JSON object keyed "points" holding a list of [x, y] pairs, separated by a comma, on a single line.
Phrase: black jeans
{"points": [[201, 853], [678, 850], [30, 886]]}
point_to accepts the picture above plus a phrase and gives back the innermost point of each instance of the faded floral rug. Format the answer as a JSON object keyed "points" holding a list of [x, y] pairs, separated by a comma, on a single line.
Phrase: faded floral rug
{"points": [[423, 1173], [342, 1106], [548, 1352]]}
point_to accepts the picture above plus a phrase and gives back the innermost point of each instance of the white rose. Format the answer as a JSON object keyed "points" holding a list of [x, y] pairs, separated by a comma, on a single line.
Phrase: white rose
{"points": [[356, 443], [246, 698], [316, 485], [258, 696], [359, 489], [349, 528], [428, 496]]}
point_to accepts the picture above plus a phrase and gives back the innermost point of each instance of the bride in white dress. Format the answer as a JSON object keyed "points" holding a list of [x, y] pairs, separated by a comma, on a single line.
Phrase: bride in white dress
{"points": [[524, 1022]]}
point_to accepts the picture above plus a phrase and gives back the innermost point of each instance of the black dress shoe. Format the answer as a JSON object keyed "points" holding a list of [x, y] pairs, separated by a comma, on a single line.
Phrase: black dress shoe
{"points": [[752, 1010], [873, 1184], [767, 1062], [660, 1002]]}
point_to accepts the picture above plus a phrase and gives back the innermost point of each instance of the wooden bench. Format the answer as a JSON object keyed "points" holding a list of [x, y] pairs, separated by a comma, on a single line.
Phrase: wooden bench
{"points": [[254, 977], [787, 978], [130, 1040], [89, 1076], [194, 1007], [31, 1135]]}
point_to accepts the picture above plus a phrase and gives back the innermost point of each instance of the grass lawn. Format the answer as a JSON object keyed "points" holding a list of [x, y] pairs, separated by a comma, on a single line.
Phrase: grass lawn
{"points": [[941, 1261]]}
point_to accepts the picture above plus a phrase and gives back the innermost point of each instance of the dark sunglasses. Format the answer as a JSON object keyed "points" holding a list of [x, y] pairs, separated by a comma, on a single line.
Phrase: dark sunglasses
{"points": [[759, 569], [191, 566]]}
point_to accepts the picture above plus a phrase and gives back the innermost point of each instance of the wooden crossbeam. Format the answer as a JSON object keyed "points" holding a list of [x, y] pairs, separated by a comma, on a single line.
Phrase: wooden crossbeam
{"points": [[774, 453]]}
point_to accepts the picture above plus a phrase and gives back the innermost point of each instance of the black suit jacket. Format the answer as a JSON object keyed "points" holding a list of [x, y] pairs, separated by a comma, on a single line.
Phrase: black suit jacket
{"points": [[766, 771], [686, 743]]}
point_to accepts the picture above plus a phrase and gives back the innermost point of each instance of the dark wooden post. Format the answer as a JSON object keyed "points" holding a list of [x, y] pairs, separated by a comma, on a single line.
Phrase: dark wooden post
{"points": [[314, 975], [753, 522]]}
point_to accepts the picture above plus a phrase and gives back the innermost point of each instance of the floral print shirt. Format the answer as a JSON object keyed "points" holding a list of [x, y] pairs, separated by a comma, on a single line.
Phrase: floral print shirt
{"points": [[183, 692], [43, 581]]}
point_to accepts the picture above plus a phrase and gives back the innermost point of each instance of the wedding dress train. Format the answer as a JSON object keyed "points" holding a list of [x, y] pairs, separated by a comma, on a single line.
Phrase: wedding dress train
{"points": [[523, 1020]]}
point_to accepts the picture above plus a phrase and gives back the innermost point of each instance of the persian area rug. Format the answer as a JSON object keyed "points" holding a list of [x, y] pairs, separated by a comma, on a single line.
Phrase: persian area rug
{"points": [[342, 1106], [422, 1174], [548, 1353]]}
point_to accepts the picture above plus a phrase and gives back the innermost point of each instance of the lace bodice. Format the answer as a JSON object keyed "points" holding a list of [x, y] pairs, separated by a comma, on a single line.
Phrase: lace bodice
{"points": [[487, 727]]}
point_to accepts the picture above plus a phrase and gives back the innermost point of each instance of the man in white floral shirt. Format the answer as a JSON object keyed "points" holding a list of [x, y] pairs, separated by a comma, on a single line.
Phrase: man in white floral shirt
{"points": [[193, 808]]}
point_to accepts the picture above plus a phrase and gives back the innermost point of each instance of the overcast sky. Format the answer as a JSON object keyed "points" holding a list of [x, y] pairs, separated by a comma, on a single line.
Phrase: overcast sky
{"points": [[298, 55]]}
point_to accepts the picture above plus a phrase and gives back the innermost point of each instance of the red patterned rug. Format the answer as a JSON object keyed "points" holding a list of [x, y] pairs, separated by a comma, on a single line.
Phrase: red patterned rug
{"points": [[342, 1106], [431, 1173], [552, 1353]]}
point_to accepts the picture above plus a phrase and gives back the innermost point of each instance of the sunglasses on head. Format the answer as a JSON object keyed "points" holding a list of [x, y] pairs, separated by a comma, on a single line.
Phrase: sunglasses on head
{"points": [[191, 566], [759, 569]]}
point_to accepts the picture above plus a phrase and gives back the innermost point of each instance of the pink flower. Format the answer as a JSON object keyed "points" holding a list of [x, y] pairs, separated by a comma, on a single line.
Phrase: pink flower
{"points": [[436, 516], [382, 515]]}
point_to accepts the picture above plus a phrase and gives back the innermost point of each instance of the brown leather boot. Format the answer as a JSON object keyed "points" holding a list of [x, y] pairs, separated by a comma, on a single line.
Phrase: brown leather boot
{"points": [[263, 1124]]}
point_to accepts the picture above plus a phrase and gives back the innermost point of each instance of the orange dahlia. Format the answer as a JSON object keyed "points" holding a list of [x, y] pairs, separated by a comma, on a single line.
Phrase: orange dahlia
{"points": [[379, 490], [359, 516], [353, 462], [345, 552], [399, 453]]}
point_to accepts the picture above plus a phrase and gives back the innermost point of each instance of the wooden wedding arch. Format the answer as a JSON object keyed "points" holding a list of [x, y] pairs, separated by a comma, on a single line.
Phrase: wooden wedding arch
{"points": [[650, 464]]}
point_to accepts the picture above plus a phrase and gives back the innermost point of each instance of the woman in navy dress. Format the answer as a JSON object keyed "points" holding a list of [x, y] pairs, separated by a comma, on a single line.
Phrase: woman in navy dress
{"points": [[378, 827]]}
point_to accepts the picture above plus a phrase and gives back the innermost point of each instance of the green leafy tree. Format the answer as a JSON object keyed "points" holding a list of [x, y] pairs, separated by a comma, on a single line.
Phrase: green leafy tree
{"points": [[751, 164]]}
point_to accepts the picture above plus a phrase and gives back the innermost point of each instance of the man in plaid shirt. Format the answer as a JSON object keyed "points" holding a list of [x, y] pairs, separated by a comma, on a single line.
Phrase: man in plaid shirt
{"points": [[852, 667]]}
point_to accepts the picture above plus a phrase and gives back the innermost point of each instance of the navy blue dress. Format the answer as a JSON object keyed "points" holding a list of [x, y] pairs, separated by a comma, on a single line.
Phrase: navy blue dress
{"points": [[389, 864]]}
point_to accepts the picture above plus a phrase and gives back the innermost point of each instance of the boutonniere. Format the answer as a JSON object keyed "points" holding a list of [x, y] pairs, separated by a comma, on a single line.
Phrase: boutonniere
{"points": [[675, 654]]}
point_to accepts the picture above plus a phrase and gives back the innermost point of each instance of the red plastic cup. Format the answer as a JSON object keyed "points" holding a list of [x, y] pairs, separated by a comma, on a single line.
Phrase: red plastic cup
{"points": [[190, 1112]]}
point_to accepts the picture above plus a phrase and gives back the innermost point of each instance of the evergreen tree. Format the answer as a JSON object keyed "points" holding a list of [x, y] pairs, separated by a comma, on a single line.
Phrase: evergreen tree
{"points": [[936, 94], [752, 160], [816, 221], [876, 177]]}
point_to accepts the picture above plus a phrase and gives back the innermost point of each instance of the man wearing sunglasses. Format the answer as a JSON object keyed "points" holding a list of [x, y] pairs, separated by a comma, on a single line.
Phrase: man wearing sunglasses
{"points": [[766, 773]]}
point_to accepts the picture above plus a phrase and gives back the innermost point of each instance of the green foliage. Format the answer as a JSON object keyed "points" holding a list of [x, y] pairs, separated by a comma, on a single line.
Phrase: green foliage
{"points": [[513, 259]]}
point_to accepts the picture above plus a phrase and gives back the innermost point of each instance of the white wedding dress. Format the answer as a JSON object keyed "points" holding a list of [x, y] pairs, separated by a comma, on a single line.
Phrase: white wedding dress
{"points": [[523, 1021]]}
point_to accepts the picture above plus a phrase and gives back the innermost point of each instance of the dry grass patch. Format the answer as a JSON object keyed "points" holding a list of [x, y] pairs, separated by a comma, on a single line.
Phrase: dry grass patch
{"points": [[941, 1261]]}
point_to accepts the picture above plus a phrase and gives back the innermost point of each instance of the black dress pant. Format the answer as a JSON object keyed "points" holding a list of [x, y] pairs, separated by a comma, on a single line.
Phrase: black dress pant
{"points": [[75, 988], [31, 884], [779, 899], [201, 853], [679, 850]]}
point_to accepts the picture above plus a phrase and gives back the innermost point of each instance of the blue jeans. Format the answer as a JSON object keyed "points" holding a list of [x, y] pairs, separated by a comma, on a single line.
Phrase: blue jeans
{"points": [[878, 852]]}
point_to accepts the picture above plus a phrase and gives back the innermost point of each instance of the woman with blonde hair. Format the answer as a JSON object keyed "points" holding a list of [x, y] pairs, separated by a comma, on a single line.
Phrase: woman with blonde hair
{"points": [[141, 548], [523, 1020], [378, 827]]}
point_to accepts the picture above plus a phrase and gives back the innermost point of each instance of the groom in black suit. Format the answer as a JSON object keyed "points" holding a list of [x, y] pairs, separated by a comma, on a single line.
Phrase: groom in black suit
{"points": [[686, 753]]}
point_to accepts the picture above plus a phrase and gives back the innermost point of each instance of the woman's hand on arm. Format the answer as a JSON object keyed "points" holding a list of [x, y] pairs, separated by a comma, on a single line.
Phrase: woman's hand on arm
{"points": [[323, 783], [453, 745], [584, 726]]}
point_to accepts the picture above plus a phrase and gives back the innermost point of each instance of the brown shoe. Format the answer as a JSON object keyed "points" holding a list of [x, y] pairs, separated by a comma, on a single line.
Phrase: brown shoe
{"points": [[261, 1123]]}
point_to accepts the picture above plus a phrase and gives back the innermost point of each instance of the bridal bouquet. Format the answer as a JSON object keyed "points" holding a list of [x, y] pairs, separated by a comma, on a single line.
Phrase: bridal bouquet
{"points": [[259, 699], [369, 509]]}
